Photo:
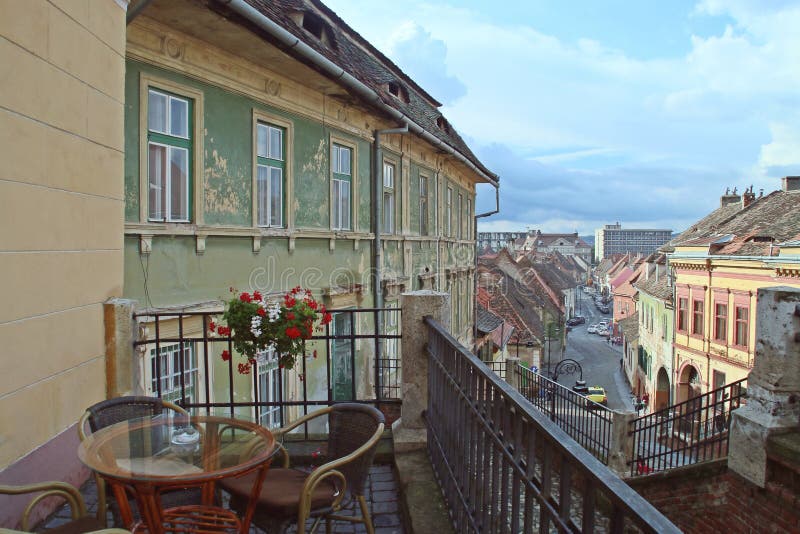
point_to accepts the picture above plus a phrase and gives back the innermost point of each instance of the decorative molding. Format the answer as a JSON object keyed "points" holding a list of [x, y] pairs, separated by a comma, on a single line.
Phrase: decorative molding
{"points": [[200, 243], [145, 244], [256, 244]]}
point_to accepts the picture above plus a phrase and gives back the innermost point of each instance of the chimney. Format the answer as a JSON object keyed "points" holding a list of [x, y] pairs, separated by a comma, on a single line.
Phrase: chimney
{"points": [[790, 183], [748, 197], [728, 198]]}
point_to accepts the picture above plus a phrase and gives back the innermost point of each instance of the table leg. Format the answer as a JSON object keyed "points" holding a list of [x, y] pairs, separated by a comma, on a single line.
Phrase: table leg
{"points": [[150, 508]]}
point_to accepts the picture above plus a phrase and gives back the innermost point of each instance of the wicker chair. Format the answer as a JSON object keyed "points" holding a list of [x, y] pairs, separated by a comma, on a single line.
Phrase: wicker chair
{"points": [[291, 494], [81, 522], [116, 410]]}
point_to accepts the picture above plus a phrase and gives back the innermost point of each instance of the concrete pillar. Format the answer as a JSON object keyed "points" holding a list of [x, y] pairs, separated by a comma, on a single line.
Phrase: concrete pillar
{"points": [[512, 372], [773, 387], [120, 332], [410, 431], [621, 448]]}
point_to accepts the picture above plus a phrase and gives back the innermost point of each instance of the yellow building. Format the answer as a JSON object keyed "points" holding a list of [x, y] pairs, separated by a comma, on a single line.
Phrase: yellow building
{"points": [[717, 267]]}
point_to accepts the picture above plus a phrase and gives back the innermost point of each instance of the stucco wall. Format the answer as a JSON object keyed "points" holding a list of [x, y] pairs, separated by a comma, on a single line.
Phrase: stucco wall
{"points": [[61, 209]]}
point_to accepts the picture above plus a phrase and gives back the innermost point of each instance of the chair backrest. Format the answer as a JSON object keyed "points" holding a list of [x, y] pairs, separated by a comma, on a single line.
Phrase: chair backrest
{"points": [[111, 411], [350, 426]]}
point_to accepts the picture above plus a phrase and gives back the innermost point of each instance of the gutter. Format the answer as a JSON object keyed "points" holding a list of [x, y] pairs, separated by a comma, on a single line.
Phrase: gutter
{"points": [[338, 74]]}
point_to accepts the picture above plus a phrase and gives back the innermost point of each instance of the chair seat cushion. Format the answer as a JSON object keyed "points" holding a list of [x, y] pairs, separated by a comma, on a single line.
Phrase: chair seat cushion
{"points": [[84, 524], [280, 493]]}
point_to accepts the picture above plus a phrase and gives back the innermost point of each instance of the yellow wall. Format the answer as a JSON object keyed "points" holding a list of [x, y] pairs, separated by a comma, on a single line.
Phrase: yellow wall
{"points": [[731, 276], [61, 210]]}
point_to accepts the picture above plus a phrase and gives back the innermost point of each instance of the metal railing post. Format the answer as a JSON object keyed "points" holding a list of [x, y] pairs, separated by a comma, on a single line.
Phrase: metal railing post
{"points": [[512, 372]]}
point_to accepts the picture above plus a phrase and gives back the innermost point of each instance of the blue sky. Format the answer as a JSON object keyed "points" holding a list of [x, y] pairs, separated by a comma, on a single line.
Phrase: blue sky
{"points": [[642, 112]]}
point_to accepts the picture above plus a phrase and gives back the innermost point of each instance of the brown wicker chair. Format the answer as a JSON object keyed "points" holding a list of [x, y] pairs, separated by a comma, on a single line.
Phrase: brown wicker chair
{"points": [[116, 410], [81, 522], [291, 494]]}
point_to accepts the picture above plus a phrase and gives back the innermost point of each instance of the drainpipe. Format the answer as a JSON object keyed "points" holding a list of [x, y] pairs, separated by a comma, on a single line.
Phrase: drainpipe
{"points": [[475, 277], [377, 210], [337, 74]]}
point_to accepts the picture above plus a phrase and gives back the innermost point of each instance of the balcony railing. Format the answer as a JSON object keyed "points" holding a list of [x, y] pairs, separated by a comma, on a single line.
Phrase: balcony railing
{"points": [[183, 365], [587, 422], [692, 431], [504, 466]]}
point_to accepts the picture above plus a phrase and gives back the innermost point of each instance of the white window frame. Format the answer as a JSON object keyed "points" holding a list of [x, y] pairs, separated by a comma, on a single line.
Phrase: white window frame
{"points": [[265, 214], [171, 374], [390, 195], [196, 134], [424, 201], [267, 371], [449, 212], [262, 118], [342, 190]]}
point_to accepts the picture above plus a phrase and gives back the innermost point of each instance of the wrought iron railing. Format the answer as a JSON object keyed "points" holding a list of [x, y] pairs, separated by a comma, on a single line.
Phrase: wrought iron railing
{"points": [[693, 431], [498, 366], [504, 466], [348, 361], [587, 422]]}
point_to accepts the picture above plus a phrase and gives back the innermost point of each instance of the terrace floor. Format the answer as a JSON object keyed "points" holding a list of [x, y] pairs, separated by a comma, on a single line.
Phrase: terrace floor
{"points": [[381, 492]]}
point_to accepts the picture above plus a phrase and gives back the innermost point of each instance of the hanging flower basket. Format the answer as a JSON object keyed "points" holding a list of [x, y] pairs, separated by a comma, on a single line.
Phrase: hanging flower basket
{"points": [[256, 324]]}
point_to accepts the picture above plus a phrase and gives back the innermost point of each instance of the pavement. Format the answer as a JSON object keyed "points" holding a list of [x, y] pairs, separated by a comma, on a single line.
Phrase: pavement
{"points": [[381, 492]]}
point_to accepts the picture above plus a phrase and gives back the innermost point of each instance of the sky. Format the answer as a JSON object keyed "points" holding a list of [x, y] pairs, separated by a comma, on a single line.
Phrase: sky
{"points": [[593, 112]]}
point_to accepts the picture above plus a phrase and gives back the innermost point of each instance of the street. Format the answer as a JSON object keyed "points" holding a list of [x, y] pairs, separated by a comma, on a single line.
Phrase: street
{"points": [[599, 360]]}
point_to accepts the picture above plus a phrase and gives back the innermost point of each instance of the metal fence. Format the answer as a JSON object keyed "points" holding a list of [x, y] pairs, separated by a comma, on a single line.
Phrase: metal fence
{"points": [[587, 422], [692, 431], [503, 466], [348, 360], [499, 367]]}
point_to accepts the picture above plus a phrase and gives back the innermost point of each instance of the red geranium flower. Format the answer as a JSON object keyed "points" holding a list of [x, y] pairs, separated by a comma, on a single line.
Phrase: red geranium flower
{"points": [[327, 318], [292, 332], [244, 368], [261, 311], [211, 326], [290, 316], [257, 295], [290, 301], [245, 297], [226, 355]]}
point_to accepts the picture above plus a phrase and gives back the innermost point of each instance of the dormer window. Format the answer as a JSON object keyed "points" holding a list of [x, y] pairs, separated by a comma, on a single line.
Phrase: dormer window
{"points": [[441, 122], [398, 91], [314, 25]]}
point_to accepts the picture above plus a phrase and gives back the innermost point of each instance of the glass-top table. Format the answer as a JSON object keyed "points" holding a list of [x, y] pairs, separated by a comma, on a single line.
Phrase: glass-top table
{"points": [[154, 455]]}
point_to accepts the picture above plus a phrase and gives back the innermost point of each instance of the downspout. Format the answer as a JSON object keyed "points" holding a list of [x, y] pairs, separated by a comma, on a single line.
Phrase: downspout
{"points": [[475, 276], [377, 208], [290, 42]]}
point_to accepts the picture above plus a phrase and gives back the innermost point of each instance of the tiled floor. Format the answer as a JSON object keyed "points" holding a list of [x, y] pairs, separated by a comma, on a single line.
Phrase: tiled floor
{"points": [[381, 493]]}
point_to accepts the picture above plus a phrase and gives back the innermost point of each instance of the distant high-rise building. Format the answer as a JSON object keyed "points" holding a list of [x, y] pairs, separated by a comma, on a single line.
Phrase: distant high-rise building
{"points": [[613, 239]]}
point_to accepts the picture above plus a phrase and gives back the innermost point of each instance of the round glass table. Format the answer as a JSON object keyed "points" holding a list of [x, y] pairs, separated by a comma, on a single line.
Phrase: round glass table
{"points": [[167, 452]]}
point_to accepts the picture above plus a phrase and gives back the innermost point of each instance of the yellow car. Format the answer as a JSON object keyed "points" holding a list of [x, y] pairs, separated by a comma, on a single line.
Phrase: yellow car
{"points": [[597, 395]]}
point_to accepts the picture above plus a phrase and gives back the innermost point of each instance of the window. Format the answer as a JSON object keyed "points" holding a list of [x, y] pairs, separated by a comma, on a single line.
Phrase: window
{"points": [[423, 205], [742, 320], [448, 222], [341, 159], [697, 317], [388, 198], [389, 362], [169, 153], [664, 326], [469, 218], [459, 222], [174, 360], [271, 166], [268, 388], [720, 321], [683, 314]]}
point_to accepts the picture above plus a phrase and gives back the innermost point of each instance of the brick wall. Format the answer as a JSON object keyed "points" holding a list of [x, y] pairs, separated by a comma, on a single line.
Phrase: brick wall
{"points": [[711, 498]]}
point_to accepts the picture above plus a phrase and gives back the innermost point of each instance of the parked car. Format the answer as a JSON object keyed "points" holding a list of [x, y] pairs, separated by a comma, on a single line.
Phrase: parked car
{"points": [[592, 329], [604, 332], [597, 395], [573, 321], [604, 309]]}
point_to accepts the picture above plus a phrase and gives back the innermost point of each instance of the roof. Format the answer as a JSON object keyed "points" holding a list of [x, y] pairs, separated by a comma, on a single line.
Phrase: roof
{"points": [[755, 230], [630, 327], [656, 281], [355, 55], [502, 296]]}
